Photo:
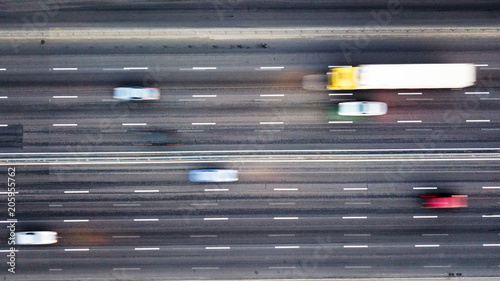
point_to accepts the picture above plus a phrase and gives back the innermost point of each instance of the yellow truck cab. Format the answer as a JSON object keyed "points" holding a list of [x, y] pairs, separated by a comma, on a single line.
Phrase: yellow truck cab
{"points": [[342, 78]]}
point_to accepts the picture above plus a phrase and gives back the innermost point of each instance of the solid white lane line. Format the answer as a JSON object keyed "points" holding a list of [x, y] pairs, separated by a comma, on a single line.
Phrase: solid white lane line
{"points": [[204, 204], [355, 188], [64, 125], [478, 65], [401, 94], [477, 93], [215, 219], [204, 268], [204, 96], [273, 95], [8, 251], [146, 190], [64, 68], [76, 191], [146, 219], [271, 67], [281, 235], [357, 267], [409, 121], [203, 123], [65, 97], [3, 69], [135, 68], [418, 129], [77, 250], [134, 124], [282, 203], [353, 218], [286, 218], [204, 68], [216, 189], [425, 187], [203, 236], [247, 151], [334, 66], [55, 269], [286, 247], [55, 205], [355, 246], [126, 268], [126, 205], [358, 203], [341, 94], [286, 189], [356, 235], [267, 131], [435, 234], [4, 125], [9, 221], [76, 220], [491, 245], [340, 122], [425, 217], [491, 216], [4, 97], [125, 237], [217, 248], [147, 249], [436, 266], [5, 192], [427, 246], [491, 187], [478, 120], [282, 267], [271, 123], [489, 98]]}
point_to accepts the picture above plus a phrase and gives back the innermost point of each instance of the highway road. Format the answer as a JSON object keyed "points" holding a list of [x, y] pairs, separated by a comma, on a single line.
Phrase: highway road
{"points": [[229, 100], [318, 195], [298, 220]]}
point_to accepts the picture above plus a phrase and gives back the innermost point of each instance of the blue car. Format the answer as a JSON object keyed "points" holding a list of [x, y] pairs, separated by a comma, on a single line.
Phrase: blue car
{"points": [[213, 175]]}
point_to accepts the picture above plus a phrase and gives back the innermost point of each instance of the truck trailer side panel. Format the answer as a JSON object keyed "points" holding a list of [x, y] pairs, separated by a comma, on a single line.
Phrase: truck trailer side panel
{"points": [[403, 76]]}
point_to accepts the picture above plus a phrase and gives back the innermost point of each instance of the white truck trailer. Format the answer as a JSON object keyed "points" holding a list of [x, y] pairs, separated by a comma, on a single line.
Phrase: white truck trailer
{"points": [[401, 76]]}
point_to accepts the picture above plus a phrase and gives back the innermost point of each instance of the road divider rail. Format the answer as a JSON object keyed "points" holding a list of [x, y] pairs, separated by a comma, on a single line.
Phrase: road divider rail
{"points": [[376, 155]]}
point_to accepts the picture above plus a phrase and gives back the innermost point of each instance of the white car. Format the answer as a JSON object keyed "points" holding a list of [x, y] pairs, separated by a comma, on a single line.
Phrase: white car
{"points": [[136, 93], [362, 108], [36, 238], [213, 175]]}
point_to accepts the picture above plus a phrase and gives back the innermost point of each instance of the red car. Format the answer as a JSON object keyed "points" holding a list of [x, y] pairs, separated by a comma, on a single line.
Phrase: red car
{"points": [[435, 201]]}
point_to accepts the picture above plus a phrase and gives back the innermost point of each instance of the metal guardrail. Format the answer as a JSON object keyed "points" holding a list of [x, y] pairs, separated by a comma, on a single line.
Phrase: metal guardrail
{"points": [[82, 33], [247, 157]]}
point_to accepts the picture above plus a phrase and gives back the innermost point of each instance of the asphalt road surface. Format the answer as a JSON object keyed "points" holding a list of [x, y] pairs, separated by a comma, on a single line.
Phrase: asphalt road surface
{"points": [[298, 220], [239, 101], [285, 218]]}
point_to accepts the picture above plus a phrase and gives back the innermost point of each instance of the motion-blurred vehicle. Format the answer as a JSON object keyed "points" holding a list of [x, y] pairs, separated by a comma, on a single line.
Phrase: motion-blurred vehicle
{"points": [[362, 108], [401, 76], [136, 93], [213, 175], [36, 238], [442, 202]]}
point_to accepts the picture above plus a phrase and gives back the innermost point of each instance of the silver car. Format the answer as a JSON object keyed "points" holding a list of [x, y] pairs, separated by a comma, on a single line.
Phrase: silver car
{"points": [[213, 175], [36, 238], [136, 93], [362, 108]]}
